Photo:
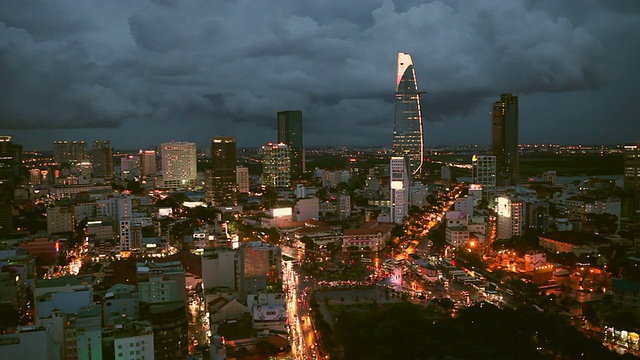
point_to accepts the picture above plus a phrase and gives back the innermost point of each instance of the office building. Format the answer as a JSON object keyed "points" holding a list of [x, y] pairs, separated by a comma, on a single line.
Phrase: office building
{"points": [[148, 165], [29, 342], [179, 160], [483, 172], [631, 205], [290, 133], [60, 219], [260, 268], [102, 159], [128, 340], [120, 301], [276, 166], [61, 151], [129, 167], [511, 217], [221, 175], [130, 235], [408, 137], [504, 132], [220, 268], [242, 179], [10, 162], [399, 189], [78, 151], [162, 299]]}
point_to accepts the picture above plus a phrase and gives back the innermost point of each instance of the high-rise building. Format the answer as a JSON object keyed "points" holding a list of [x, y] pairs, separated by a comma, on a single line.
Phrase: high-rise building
{"points": [[61, 151], [242, 179], [276, 166], [78, 151], [290, 133], [10, 162], [148, 165], [399, 189], [408, 137], [631, 205], [102, 159], [483, 172], [504, 118], [511, 217], [221, 175], [179, 160], [260, 268]]}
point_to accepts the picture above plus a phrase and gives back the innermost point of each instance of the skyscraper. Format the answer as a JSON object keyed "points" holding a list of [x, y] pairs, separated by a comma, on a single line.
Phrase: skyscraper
{"points": [[221, 175], [483, 172], [276, 166], [10, 162], [290, 133], [61, 151], [102, 159], [505, 138], [408, 137], [399, 189], [631, 205], [148, 165], [178, 165]]}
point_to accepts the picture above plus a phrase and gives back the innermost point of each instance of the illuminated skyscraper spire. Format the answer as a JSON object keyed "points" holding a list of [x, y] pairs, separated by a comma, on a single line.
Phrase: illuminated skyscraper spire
{"points": [[408, 138]]}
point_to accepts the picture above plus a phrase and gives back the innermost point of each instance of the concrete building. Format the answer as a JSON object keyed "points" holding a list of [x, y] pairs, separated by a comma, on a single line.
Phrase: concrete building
{"points": [[511, 217], [220, 177], [148, 163], [102, 159], [68, 294], [161, 282], [60, 219], [29, 342], [276, 166], [220, 268], [464, 204], [120, 301], [306, 209], [129, 340], [483, 172], [290, 133], [399, 189], [505, 118], [242, 179], [408, 136], [457, 236], [116, 208], [344, 206], [179, 160], [260, 267]]}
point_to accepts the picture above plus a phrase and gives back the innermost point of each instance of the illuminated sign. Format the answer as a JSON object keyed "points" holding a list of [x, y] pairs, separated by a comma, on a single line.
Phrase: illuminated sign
{"points": [[475, 187], [397, 185], [282, 212], [266, 313]]}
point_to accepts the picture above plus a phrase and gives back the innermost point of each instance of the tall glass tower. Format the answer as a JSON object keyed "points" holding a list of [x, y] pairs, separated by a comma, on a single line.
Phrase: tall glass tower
{"points": [[408, 137]]}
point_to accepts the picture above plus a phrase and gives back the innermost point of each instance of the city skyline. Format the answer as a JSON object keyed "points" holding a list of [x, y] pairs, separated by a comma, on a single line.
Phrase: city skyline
{"points": [[106, 71]]}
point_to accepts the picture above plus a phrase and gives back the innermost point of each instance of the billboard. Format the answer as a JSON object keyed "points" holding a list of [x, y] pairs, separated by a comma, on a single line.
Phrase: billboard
{"points": [[267, 313], [165, 211]]}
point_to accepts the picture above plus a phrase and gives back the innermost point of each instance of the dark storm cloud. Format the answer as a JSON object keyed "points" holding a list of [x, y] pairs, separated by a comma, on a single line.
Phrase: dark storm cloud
{"points": [[226, 67]]}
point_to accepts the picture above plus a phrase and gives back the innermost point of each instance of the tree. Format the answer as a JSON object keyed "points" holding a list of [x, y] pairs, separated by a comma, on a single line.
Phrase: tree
{"points": [[604, 223]]}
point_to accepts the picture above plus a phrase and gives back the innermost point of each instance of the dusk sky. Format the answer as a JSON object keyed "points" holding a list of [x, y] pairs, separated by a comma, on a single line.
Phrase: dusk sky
{"points": [[139, 73]]}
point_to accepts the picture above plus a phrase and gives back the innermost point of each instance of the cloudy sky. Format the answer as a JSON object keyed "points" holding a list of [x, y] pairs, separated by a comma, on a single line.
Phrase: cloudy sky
{"points": [[140, 73]]}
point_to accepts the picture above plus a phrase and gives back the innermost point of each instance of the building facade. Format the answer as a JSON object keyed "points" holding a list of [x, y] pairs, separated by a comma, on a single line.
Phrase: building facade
{"points": [[179, 165], [483, 172], [408, 137], [221, 175], [399, 189], [276, 166], [290, 133], [505, 120], [511, 217]]}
